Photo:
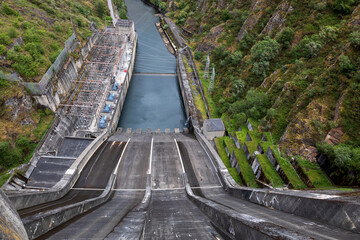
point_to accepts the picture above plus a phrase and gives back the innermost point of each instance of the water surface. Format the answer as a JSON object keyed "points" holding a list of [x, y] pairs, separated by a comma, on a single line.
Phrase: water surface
{"points": [[153, 100]]}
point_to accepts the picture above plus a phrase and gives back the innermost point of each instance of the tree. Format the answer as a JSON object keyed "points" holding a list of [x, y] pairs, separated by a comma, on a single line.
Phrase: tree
{"points": [[262, 53], [345, 64], [355, 39], [100, 8], [328, 33], [238, 87], [162, 6], [285, 37], [342, 6]]}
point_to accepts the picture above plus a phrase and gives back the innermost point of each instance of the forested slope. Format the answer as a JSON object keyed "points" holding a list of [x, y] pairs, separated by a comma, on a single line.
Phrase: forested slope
{"points": [[292, 65]]}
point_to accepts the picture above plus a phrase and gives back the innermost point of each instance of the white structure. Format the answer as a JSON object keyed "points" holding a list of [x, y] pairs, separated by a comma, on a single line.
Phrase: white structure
{"points": [[213, 128]]}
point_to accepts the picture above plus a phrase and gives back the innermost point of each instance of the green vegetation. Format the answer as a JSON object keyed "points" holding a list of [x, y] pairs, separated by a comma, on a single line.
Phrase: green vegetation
{"points": [[4, 178], [314, 173], [246, 170], [43, 25], [121, 6], [344, 161], [290, 76], [289, 171], [269, 171], [219, 142]]}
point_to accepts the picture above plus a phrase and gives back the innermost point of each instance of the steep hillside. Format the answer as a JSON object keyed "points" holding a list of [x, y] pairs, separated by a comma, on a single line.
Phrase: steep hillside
{"points": [[292, 65], [32, 35]]}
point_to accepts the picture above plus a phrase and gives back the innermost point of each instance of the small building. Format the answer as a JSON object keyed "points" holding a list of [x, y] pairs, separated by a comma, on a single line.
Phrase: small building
{"points": [[213, 128]]}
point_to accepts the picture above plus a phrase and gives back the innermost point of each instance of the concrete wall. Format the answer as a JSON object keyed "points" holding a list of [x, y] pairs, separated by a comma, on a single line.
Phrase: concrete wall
{"points": [[319, 207], [124, 88], [11, 226], [23, 200], [44, 222], [238, 225], [59, 85], [185, 89]]}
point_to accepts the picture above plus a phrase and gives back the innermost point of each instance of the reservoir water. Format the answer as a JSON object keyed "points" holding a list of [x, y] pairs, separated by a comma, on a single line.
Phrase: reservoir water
{"points": [[153, 99]]}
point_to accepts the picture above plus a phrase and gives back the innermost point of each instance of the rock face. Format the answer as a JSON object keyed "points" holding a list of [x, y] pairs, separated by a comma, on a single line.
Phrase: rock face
{"points": [[256, 12], [304, 131], [11, 226], [208, 44], [277, 20], [334, 136]]}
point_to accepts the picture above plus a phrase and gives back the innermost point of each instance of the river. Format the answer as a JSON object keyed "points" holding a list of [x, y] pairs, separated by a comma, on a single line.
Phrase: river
{"points": [[153, 99]]}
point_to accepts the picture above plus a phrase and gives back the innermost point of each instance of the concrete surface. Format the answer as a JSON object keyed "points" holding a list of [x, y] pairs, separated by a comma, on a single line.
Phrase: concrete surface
{"points": [[73, 147], [11, 227]]}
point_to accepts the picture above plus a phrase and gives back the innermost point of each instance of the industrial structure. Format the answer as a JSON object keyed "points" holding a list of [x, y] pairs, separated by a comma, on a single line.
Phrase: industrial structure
{"points": [[105, 77]]}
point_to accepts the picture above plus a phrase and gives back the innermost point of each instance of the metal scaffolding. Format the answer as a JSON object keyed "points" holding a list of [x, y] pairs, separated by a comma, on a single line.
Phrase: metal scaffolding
{"points": [[91, 89]]}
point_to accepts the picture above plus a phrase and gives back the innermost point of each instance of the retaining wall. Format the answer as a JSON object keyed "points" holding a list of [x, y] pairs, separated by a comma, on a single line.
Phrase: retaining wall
{"points": [[237, 225], [58, 80], [318, 207], [42, 223], [23, 200]]}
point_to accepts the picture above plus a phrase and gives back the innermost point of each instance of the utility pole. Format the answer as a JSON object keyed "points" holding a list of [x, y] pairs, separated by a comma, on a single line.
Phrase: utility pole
{"points": [[212, 81], [206, 73]]}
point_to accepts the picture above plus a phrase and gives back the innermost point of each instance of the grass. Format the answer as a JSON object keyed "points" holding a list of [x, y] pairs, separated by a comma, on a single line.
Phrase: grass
{"points": [[230, 144], [219, 142], [4, 178], [289, 171], [233, 172], [205, 82], [246, 170], [269, 171], [199, 103], [314, 173]]}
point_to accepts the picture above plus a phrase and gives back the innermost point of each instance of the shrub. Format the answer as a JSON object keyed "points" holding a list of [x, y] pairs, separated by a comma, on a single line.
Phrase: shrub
{"points": [[12, 33], [285, 37], [254, 105], [345, 64], [8, 156], [328, 33], [4, 39], [238, 87], [308, 47], [240, 119], [54, 56], [57, 27], [2, 49], [198, 55], [3, 83], [342, 6], [8, 10], [226, 15], [31, 36], [35, 49], [355, 39], [162, 6], [122, 14], [100, 8]]}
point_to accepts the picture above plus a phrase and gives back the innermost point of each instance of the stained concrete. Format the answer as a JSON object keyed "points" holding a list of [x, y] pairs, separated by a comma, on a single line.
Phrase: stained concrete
{"points": [[171, 215], [49, 171], [73, 147], [11, 227]]}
